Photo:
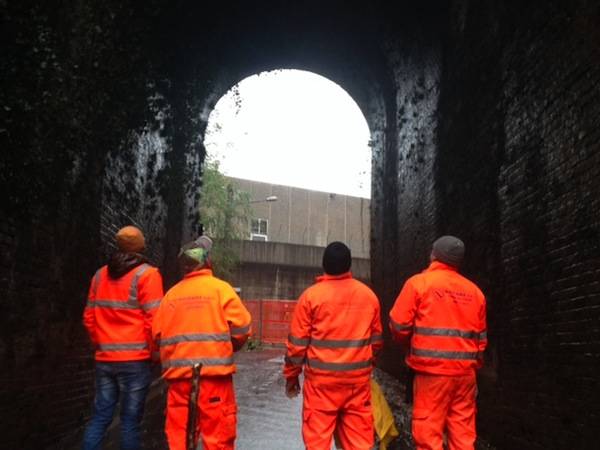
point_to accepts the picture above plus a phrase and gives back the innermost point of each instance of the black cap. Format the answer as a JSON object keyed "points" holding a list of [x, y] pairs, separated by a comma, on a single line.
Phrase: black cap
{"points": [[336, 258]]}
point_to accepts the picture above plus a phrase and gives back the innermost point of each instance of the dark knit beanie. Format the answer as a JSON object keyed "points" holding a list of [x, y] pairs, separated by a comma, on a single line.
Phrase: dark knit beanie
{"points": [[336, 259], [449, 250]]}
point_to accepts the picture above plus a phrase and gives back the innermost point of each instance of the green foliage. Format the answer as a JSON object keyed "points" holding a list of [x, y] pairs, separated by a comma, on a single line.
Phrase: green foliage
{"points": [[225, 213]]}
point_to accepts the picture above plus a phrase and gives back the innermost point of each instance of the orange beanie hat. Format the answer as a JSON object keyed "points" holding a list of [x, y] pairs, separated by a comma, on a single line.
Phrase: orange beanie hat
{"points": [[130, 239]]}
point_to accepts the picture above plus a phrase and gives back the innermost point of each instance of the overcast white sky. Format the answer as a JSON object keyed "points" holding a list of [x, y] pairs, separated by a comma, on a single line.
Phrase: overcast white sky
{"points": [[293, 128]]}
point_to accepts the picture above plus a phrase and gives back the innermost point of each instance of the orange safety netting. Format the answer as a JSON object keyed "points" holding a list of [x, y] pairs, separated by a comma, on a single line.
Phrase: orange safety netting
{"points": [[270, 319]]}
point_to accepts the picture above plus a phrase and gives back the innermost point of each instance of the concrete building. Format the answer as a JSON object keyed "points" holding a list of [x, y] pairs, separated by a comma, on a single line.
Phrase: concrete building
{"points": [[274, 270], [287, 235], [305, 217]]}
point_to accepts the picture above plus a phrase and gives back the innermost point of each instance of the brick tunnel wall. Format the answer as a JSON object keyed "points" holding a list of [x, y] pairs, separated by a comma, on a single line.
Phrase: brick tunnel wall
{"points": [[403, 198], [82, 103], [484, 124], [516, 172]]}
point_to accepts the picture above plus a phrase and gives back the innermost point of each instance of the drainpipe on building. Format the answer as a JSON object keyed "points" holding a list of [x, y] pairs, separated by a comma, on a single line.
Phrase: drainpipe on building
{"points": [[277, 283]]}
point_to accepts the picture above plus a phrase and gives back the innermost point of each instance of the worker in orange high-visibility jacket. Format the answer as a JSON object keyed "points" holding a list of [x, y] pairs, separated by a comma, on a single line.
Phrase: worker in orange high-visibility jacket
{"points": [[123, 296], [335, 335], [201, 320], [440, 317]]}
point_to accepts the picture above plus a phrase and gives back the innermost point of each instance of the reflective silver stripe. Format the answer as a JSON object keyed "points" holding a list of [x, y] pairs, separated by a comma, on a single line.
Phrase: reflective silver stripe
{"points": [[399, 327], [302, 342], [111, 304], [483, 336], [195, 337], [449, 332], [340, 343], [333, 343], [443, 354], [294, 361], [131, 303], [338, 367], [151, 305], [189, 362], [240, 330], [376, 337], [133, 288], [123, 346]]}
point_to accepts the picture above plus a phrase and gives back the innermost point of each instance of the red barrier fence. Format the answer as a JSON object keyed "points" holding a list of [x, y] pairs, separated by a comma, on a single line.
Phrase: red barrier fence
{"points": [[270, 319]]}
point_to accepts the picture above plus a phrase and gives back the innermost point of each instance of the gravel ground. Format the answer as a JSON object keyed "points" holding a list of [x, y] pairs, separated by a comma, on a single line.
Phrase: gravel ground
{"points": [[395, 394]]}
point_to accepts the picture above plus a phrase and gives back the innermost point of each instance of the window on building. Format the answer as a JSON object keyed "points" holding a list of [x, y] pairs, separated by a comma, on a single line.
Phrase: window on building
{"points": [[258, 229]]}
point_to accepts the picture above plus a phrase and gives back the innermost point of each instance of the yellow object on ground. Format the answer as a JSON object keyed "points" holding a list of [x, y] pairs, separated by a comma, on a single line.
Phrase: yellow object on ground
{"points": [[382, 417]]}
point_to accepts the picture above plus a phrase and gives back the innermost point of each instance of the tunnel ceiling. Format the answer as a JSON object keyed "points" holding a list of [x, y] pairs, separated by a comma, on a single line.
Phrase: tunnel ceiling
{"points": [[339, 40]]}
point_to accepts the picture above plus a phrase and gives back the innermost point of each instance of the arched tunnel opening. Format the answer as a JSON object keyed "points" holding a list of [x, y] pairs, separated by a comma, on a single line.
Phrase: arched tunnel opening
{"points": [[483, 120], [270, 122], [296, 146]]}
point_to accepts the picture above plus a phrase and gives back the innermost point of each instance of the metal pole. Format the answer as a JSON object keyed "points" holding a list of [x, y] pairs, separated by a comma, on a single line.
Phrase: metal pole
{"points": [[260, 320], [193, 408]]}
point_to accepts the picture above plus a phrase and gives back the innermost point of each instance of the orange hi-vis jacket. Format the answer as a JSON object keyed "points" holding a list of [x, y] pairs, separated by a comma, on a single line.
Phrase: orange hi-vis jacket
{"points": [[200, 320], [444, 316], [118, 314], [335, 331]]}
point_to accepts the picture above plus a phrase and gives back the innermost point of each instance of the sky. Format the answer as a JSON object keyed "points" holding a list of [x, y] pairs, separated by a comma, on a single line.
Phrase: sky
{"points": [[293, 128]]}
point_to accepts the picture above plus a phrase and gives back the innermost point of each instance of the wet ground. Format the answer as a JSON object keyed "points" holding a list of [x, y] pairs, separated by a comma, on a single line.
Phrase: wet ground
{"points": [[267, 419]]}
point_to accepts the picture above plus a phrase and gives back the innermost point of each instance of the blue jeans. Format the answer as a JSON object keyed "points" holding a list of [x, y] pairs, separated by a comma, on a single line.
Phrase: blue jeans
{"points": [[130, 380]]}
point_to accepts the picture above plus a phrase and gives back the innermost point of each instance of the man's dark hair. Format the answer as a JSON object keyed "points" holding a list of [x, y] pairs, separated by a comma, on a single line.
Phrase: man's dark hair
{"points": [[336, 258]]}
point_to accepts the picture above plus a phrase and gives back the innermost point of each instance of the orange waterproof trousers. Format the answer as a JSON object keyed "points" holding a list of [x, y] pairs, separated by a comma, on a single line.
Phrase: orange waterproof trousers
{"points": [[345, 408], [216, 424], [444, 404]]}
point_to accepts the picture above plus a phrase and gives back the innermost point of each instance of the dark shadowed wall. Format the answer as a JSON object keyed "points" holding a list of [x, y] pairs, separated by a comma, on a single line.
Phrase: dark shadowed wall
{"points": [[484, 122], [518, 152]]}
